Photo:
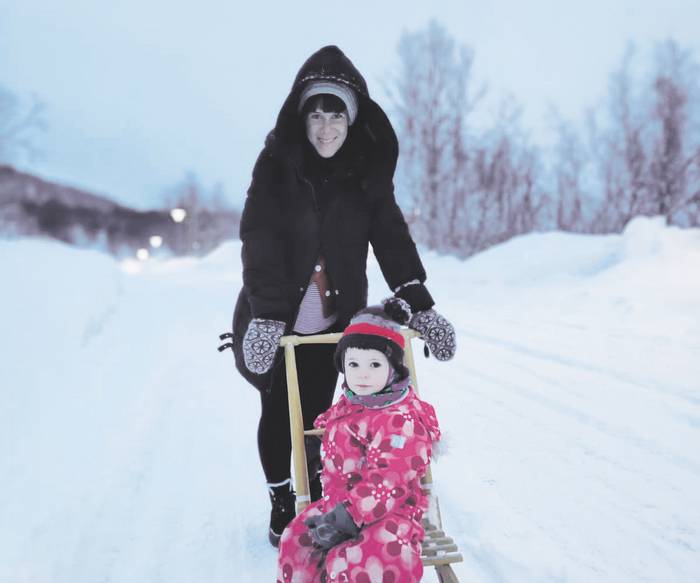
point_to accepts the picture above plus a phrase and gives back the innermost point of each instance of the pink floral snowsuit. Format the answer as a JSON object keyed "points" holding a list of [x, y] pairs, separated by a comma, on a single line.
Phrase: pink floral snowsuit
{"points": [[373, 460]]}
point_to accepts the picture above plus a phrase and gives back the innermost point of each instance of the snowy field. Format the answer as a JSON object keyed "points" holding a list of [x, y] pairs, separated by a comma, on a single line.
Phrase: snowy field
{"points": [[572, 409]]}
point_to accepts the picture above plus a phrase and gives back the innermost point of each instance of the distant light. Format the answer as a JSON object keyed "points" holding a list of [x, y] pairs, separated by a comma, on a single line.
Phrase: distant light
{"points": [[142, 254], [155, 241], [178, 215]]}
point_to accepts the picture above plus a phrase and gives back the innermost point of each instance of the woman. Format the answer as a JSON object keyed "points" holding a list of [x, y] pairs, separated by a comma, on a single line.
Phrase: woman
{"points": [[321, 191]]}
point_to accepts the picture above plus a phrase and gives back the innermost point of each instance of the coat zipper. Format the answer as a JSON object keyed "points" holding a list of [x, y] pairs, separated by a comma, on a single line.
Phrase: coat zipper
{"points": [[313, 196], [318, 252]]}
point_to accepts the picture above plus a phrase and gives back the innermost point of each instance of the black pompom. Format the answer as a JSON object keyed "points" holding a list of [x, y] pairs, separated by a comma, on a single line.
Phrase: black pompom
{"points": [[397, 309]]}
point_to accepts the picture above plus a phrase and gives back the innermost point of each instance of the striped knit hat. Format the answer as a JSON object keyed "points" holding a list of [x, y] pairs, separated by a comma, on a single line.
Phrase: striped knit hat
{"points": [[340, 90], [378, 328]]}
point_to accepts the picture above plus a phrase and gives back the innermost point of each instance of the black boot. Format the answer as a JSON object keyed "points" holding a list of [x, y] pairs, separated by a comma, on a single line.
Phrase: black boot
{"points": [[282, 499]]}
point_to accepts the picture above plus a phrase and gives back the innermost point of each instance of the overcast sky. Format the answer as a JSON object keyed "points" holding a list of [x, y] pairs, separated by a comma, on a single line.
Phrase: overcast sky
{"points": [[139, 92]]}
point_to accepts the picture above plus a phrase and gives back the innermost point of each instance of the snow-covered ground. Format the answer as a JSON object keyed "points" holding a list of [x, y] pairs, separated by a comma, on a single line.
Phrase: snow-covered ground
{"points": [[572, 409]]}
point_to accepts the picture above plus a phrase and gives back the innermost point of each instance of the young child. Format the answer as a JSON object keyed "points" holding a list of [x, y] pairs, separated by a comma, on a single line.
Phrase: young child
{"points": [[376, 447]]}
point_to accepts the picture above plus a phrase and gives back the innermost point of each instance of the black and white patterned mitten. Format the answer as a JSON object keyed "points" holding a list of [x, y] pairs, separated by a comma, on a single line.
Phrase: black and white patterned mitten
{"points": [[260, 344], [437, 332]]}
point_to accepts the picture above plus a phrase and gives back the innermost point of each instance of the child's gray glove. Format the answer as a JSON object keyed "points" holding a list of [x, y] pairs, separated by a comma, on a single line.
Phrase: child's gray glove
{"points": [[332, 528], [260, 342], [437, 332]]}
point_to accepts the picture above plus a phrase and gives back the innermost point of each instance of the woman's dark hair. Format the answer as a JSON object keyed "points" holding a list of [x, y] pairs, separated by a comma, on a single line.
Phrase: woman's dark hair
{"points": [[325, 102]]}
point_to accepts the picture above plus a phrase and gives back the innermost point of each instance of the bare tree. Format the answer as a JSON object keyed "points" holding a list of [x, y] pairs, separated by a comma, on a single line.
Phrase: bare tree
{"points": [[506, 197], [618, 145], [432, 100], [675, 146], [467, 188], [568, 160], [19, 124], [647, 142]]}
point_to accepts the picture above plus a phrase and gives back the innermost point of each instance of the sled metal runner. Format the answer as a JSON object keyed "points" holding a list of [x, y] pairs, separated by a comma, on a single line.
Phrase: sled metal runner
{"points": [[439, 550]]}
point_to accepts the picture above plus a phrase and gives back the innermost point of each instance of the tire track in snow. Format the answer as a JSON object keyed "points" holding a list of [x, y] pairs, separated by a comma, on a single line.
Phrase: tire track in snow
{"points": [[668, 531], [644, 444], [579, 364]]}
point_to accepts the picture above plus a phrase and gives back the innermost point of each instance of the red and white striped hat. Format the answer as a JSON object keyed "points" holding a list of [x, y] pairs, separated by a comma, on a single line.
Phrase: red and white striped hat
{"points": [[378, 328]]}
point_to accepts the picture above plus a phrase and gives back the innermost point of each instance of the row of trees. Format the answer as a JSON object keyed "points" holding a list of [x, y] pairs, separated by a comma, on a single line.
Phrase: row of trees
{"points": [[641, 149], [467, 184], [30, 206], [468, 180]]}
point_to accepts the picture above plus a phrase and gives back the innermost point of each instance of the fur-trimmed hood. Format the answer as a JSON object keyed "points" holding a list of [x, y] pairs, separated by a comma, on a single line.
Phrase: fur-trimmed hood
{"points": [[371, 138]]}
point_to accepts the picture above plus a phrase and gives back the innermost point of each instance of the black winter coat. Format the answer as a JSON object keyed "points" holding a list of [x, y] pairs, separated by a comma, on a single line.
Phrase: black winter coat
{"points": [[285, 226]]}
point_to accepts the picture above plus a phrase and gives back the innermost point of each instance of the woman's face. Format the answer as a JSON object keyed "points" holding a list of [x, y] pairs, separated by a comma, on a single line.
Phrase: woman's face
{"points": [[366, 370], [326, 131]]}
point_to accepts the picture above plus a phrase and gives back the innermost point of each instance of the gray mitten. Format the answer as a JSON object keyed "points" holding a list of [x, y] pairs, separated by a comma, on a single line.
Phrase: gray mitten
{"points": [[332, 528], [437, 332], [260, 343]]}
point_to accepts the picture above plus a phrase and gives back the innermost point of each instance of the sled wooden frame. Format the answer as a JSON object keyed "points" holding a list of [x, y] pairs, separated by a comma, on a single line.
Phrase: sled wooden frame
{"points": [[439, 550]]}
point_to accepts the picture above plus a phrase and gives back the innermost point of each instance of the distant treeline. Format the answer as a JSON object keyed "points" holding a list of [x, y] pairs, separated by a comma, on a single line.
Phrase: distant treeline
{"points": [[33, 207]]}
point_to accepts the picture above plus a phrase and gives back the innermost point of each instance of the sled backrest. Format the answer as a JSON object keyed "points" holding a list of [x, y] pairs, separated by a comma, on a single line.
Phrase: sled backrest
{"points": [[438, 549]]}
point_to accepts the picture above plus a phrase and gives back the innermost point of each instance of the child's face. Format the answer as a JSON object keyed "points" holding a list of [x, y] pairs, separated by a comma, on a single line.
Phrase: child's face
{"points": [[366, 370]]}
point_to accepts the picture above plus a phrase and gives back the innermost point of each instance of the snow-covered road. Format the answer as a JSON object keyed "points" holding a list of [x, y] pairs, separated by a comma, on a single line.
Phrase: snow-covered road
{"points": [[572, 412]]}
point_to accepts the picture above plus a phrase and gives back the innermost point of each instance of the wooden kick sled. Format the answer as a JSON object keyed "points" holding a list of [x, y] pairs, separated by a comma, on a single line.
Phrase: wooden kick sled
{"points": [[439, 550]]}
